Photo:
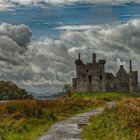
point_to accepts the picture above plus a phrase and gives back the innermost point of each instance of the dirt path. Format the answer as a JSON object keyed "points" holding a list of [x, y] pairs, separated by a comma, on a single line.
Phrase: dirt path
{"points": [[71, 129]]}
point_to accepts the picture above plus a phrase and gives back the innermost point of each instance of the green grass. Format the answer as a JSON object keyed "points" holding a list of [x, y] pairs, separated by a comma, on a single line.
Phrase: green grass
{"points": [[118, 123], [106, 96], [32, 129]]}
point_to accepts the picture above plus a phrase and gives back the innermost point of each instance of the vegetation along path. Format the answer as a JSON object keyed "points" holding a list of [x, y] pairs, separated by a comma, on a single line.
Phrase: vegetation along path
{"points": [[71, 129]]}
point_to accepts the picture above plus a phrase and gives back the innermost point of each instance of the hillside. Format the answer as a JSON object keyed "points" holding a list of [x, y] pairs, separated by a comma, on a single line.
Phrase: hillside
{"points": [[9, 91]]}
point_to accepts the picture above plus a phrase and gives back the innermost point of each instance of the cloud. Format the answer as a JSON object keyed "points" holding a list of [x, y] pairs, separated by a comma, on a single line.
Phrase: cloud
{"points": [[18, 33], [75, 27], [13, 47], [10, 4], [116, 43], [50, 62], [57, 67], [6, 6]]}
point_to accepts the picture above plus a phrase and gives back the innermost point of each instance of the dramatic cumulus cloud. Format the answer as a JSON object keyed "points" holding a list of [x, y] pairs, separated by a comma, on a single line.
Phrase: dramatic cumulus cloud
{"points": [[21, 34], [116, 43], [50, 62], [13, 45], [10, 4]]}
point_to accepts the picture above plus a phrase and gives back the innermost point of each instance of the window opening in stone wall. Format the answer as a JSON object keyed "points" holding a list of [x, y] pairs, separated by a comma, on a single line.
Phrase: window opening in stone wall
{"points": [[90, 79], [100, 77]]}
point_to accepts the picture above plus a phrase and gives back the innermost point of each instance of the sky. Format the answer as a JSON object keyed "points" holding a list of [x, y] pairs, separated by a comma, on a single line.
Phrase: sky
{"points": [[40, 39]]}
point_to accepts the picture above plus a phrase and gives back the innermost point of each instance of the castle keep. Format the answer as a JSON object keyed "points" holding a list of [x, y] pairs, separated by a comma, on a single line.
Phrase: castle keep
{"points": [[92, 77]]}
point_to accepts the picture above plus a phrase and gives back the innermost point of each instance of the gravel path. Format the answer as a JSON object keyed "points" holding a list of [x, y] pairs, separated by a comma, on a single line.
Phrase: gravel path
{"points": [[71, 128]]}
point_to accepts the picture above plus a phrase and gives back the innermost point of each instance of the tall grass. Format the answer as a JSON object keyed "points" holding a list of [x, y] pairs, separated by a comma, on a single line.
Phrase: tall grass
{"points": [[119, 123], [22, 118], [27, 119]]}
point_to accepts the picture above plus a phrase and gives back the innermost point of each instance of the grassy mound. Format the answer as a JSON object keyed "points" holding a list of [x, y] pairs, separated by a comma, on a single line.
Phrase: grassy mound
{"points": [[119, 123], [106, 96]]}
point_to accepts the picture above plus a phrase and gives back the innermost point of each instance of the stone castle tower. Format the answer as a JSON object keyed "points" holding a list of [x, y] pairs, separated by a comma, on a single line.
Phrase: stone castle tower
{"points": [[92, 77]]}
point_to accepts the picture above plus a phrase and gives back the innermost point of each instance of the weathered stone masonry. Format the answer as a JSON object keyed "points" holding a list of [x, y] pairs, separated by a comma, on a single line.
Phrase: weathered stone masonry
{"points": [[92, 77]]}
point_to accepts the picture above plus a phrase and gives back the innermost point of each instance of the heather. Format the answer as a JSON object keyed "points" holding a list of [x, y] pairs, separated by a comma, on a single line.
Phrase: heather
{"points": [[28, 119]]}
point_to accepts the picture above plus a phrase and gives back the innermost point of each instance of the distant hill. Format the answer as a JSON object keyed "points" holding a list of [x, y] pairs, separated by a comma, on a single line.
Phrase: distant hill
{"points": [[48, 95], [10, 91]]}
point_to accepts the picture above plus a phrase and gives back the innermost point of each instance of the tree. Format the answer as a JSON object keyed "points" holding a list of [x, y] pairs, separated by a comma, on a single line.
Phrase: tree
{"points": [[9, 91]]}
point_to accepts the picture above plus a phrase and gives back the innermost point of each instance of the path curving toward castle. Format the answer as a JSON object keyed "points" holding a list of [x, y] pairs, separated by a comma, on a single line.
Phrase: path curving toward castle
{"points": [[71, 128]]}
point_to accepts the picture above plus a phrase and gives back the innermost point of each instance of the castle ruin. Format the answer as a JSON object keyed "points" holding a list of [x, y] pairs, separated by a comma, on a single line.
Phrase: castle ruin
{"points": [[92, 77]]}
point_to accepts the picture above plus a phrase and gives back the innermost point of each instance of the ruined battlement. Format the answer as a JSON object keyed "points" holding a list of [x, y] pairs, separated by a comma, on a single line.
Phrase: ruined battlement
{"points": [[93, 77]]}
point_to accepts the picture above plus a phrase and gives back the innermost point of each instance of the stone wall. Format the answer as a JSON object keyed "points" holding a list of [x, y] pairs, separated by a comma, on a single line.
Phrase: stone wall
{"points": [[92, 77]]}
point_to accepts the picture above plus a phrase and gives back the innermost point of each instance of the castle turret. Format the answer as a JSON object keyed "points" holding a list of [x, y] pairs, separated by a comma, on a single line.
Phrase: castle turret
{"points": [[79, 56], [130, 76], [79, 61], [130, 65], [94, 58], [133, 79], [101, 65], [79, 65]]}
